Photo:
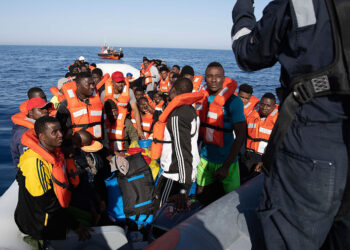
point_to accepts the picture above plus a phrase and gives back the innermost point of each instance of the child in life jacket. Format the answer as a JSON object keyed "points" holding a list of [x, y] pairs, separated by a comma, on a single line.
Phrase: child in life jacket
{"points": [[148, 116], [120, 131], [88, 162]]}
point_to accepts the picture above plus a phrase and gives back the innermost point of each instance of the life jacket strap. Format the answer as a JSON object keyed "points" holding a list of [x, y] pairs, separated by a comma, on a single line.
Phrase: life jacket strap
{"points": [[85, 125], [155, 140], [257, 139], [63, 185], [206, 125]]}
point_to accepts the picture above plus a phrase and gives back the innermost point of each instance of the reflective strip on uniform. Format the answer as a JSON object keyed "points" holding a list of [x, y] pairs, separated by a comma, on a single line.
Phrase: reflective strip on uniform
{"points": [[96, 113], [196, 79], [133, 120], [80, 112], [251, 125], [120, 116], [242, 32], [265, 131], [305, 12], [29, 119], [247, 105], [70, 93], [122, 104], [199, 106], [262, 146], [159, 109], [212, 115]]}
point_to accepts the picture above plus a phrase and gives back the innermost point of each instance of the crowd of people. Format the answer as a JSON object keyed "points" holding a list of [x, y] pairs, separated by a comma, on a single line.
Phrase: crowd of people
{"points": [[203, 130]]}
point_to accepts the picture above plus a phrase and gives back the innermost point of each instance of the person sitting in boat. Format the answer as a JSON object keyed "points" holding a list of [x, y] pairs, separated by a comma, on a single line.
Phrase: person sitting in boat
{"points": [[188, 72], [158, 102], [120, 131], [36, 108], [117, 88], [151, 76], [164, 83], [175, 142], [88, 206], [99, 79], [260, 124], [81, 59], [148, 116], [130, 77], [245, 92], [32, 93], [176, 69], [43, 193]]}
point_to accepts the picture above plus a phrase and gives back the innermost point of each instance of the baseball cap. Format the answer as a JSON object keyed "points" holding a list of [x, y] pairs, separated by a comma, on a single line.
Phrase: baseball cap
{"points": [[38, 103], [118, 76], [81, 58]]}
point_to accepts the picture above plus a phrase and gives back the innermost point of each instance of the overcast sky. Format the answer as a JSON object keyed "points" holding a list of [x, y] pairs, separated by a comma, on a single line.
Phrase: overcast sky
{"points": [[131, 23]]}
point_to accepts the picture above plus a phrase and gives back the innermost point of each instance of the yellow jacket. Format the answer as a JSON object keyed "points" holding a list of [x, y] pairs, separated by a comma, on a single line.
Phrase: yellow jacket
{"points": [[37, 173]]}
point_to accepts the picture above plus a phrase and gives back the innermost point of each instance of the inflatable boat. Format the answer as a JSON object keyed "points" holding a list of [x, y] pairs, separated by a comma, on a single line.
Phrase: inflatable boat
{"points": [[124, 68], [110, 53]]}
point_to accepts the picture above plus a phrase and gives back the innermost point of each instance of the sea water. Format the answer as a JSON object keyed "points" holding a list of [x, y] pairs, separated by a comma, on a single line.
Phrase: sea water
{"points": [[23, 67]]}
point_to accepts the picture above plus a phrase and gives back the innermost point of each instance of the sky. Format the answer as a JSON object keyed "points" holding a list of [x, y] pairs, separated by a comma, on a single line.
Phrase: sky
{"points": [[202, 24]]}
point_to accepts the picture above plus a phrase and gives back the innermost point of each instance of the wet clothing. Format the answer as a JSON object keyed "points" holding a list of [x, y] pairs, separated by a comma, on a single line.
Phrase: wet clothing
{"points": [[307, 180], [17, 148], [38, 212]]}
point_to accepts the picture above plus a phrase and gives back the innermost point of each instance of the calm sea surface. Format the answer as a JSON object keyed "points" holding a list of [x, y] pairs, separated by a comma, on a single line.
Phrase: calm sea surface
{"points": [[23, 67]]}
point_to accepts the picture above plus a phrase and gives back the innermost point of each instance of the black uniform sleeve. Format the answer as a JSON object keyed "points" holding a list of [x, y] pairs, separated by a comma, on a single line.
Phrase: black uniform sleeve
{"points": [[181, 136], [256, 45]]}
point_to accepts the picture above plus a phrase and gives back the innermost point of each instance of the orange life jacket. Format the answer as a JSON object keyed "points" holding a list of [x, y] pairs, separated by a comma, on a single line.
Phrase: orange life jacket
{"points": [[148, 99], [83, 115], [147, 73], [159, 126], [59, 176], [197, 80], [56, 92], [103, 81], [146, 124], [212, 115], [164, 85], [116, 131], [91, 68], [158, 106], [249, 107], [23, 120], [23, 107], [259, 130], [123, 99]]}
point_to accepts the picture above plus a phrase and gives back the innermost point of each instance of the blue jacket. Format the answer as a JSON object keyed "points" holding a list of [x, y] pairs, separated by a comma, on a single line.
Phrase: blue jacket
{"points": [[17, 148], [295, 33]]}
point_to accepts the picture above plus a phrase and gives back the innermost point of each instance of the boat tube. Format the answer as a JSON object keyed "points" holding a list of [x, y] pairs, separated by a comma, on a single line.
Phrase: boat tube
{"points": [[110, 68], [229, 223]]}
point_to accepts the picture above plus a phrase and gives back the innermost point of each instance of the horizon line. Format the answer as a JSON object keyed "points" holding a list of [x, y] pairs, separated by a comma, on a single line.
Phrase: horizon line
{"points": [[139, 47]]}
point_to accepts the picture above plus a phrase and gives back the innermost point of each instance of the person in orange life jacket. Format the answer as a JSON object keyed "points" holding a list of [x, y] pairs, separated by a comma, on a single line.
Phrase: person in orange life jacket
{"points": [[32, 93], [99, 79], [188, 72], [260, 124], [148, 116], [180, 157], [119, 85], [250, 102], [129, 134], [139, 93], [83, 68], [37, 108], [219, 161], [173, 77], [176, 69], [151, 75], [40, 210], [158, 102], [163, 84], [56, 91], [82, 108], [88, 163]]}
